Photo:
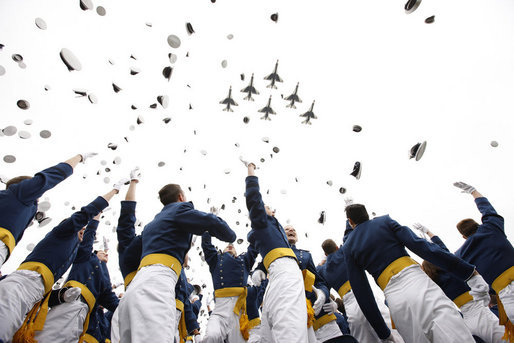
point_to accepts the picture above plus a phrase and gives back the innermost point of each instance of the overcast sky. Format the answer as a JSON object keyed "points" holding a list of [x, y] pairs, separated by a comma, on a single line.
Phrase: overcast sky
{"points": [[365, 63]]}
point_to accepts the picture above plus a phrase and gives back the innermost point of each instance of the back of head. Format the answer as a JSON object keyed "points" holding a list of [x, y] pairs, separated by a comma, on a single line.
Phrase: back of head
{"points": [[357, 213], [431, 270], [329, 246], [16, 180], [170, 194], [467, 227]]}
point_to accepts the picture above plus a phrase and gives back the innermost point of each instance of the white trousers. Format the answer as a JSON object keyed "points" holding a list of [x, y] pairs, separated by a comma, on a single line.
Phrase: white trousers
{"points": [[507, 298], [284, 311], [311, 335], [482, 322], [4, 252], [255, 335], [147, 310], [178, 314], [328, 331], [360, 328], [421, 311], [64, 323], [115, 327], [223, 324], [19, 292]]}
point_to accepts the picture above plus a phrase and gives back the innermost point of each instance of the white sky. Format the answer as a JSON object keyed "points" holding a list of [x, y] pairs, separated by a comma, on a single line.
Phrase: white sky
{"points": [[364, 62]]}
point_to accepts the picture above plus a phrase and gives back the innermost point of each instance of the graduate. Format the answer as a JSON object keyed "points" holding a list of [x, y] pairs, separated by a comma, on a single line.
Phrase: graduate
{"points": [[378, 246], [474, 306], [147, 304], [229, 273], [284, 313], [488, 248], [19, 201], [25, 289]]}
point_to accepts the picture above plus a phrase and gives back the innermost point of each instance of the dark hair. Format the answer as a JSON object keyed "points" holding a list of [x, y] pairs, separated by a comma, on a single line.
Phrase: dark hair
{"points": [[467, 227], [431, 270], [16, 180], [340, 305], [329, 246], [357, 213], [170, 193]]}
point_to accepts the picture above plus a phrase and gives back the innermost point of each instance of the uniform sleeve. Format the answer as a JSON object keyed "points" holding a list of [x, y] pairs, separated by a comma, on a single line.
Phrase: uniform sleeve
{"points": [[347, 231], [250, 257], [79, 219], [431, 252], [126, 230], [490, 218], [197, 305], [32, 189], [209, 251], [439, 242], [190, 317], [86, 246], [197, 222], [365, 297], [254, 203]]}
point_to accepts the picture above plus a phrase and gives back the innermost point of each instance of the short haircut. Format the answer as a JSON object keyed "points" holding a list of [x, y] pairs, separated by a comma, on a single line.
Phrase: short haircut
{"points": [[16, 180], [357, 213], [170, 193], [467, 227], [329, 246]]}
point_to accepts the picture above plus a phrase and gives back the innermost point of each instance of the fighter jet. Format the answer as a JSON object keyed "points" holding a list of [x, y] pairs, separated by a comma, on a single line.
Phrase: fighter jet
{"points": [[273, 77], [309, 115], [294, 97], [250, 89], [228, 101], [267, 110]]}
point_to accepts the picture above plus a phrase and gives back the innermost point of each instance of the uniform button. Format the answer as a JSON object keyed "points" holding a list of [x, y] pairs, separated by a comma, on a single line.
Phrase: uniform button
{"points": [[221, 271], [221, 277], [222, 283]]}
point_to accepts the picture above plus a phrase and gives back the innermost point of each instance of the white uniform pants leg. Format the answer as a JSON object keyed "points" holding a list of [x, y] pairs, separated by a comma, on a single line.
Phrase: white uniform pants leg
{"points": [[507, 298], [178, 314], [284, 309], [421, 311], [360, 328], [482, 322], [64, 323], [4, 252], [147, 310], [255, 335], [19, 292], [311, 335], [223, 324], [115, 327], [328, 331]]}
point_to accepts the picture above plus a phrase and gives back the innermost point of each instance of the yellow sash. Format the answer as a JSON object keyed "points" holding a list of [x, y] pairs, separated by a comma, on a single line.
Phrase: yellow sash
{"points": [[499, 284], [327, 318], [90, 300], [165, 259], [35, 321], [345, 288], [277, 253], [46, 274], [128, 279], [182, 329], [308, 279], [463, 299], [394, 268], [89, 339], [310, 313], [8, 239]]}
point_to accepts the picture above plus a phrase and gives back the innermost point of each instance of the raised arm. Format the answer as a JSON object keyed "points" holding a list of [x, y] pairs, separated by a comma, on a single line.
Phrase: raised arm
{"points": [[249, 257], [197, 222], [209, 251], [431, 252], [126, 230], [80, 218], [254, 203], [86, 246], [365, 297]]}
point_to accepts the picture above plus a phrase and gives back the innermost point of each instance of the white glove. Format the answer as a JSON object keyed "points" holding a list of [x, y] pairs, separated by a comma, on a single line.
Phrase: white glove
{"points": [[330, 307], [244, 162], [198, 339], [117, 186], [135, 174], [87, 155], [348, 201], [419, 227], [258, 276], [71, 294], [320, 300], [214, 210], [464, 187], [479, 289]]}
